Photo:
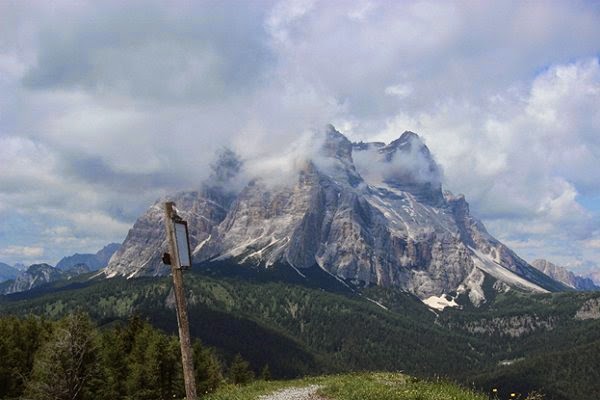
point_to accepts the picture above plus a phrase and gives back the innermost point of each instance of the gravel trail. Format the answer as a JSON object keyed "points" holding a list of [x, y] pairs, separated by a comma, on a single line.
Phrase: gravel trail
{"points": [[301, 393]]}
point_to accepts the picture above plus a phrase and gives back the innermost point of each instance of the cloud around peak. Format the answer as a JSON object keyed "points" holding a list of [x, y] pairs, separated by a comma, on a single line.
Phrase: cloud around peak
{"points": [[105, 107]]}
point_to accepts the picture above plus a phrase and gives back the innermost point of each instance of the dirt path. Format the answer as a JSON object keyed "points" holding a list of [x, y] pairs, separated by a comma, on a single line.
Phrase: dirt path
{"points": [[301, 393]]}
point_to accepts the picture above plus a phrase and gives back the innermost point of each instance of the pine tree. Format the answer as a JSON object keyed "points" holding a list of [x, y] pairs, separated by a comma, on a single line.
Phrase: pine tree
{"points": [[265, 373], [239, 371], [207, 368], [65, 364], [154, 367], [110, 383], [19, 341]]}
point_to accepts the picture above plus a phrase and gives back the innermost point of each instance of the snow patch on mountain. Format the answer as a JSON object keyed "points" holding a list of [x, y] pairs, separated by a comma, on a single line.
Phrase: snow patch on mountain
{"points": [[440, 302]]}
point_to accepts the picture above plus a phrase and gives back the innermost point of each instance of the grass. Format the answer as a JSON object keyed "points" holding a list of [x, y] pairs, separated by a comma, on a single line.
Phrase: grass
{"points": [[390, 386], [357, 386], [254, 390]]}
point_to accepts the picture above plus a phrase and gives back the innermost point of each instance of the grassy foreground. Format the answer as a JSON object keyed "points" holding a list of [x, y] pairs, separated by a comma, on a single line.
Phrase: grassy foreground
{"points": [[357, 386]]}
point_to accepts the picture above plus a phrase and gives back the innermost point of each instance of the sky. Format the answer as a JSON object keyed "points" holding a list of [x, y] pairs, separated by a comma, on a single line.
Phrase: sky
{"points": [[107, 106]]}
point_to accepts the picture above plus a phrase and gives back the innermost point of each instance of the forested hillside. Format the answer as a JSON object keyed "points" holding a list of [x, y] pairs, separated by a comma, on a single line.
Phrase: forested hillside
{"points": [[72, 359], [298, 330]]}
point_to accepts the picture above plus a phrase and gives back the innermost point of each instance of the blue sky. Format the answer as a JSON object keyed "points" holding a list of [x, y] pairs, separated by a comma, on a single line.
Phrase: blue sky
{"points": [[106, 106]]}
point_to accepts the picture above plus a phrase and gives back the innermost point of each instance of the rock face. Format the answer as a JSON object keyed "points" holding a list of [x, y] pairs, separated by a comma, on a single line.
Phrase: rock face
{"points": [[564, 276], [41, 274], [589, 310], [366, 213], [145, 243], [512, 326], [36, 275], [93, 261]]}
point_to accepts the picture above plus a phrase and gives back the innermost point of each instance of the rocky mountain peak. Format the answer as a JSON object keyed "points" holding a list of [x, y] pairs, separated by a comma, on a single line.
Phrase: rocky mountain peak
{"points": [[337, 145], [335, 158], [405, 163], [35, 275], [226, 167], [364, 213], [414, 158], [36, 268], [406, 140], [141, 252]]}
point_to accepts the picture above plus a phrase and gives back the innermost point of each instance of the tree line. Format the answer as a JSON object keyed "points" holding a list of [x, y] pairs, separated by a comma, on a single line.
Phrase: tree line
{"points": [[72, 359]]}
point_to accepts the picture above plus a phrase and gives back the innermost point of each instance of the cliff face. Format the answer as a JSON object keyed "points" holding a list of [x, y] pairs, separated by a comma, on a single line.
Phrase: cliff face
{"points": [[564, 276], [35, 275], [366, 213], [141, 252]]}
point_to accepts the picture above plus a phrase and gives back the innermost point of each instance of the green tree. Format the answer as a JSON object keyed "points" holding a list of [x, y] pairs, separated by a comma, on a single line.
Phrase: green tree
{"points": [[207, 368], [154, 367], [66, 363], [110, 382], [19, 341], [265, 373], [239, 371]]}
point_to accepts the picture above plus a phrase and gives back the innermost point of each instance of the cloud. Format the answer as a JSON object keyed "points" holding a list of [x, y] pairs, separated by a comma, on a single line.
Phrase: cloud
{"points": [[26, 252], [411, 162], [105, 107], [592, 243], [180, 52]]}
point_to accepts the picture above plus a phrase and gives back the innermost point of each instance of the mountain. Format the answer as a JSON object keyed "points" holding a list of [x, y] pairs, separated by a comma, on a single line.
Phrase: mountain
{"points": [[38, 275], [93, 261], [364, 213], [7, 272], [20, 266], [35, 275], [594, 276], [565, 276]]}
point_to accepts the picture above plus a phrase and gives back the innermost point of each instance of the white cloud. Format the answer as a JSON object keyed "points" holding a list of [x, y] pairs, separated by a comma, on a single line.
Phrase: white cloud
{"points": [[592, 243], [102, 112], [400, 90], [27, 252], [505, 154]]}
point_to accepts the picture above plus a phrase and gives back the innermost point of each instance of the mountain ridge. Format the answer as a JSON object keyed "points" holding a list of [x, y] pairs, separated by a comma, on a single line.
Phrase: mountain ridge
{"points": [[365, 213], [37, 275], [93, 261], [563, 275], [7, 272]]}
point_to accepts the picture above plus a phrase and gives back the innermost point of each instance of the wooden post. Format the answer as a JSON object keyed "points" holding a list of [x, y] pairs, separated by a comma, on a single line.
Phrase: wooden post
{"points": [[181, 306]]}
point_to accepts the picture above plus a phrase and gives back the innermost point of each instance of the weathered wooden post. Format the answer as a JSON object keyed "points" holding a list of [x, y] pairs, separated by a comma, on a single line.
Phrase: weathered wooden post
{"points": [[179, 257]]}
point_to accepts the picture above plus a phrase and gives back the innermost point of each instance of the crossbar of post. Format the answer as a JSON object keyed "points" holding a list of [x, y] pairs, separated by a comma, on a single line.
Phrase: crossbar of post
{"points": [[181, 306]]}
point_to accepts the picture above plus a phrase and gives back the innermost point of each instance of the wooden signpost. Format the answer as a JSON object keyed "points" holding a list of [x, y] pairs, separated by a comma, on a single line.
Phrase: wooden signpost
{"points": [[179, 257]]}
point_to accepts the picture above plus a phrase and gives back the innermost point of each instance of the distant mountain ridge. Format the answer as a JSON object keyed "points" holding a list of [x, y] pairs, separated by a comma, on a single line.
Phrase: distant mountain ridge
{"points": [[93, 261], [7, 272], [565, 276], [37, 275], [365, 213]]}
